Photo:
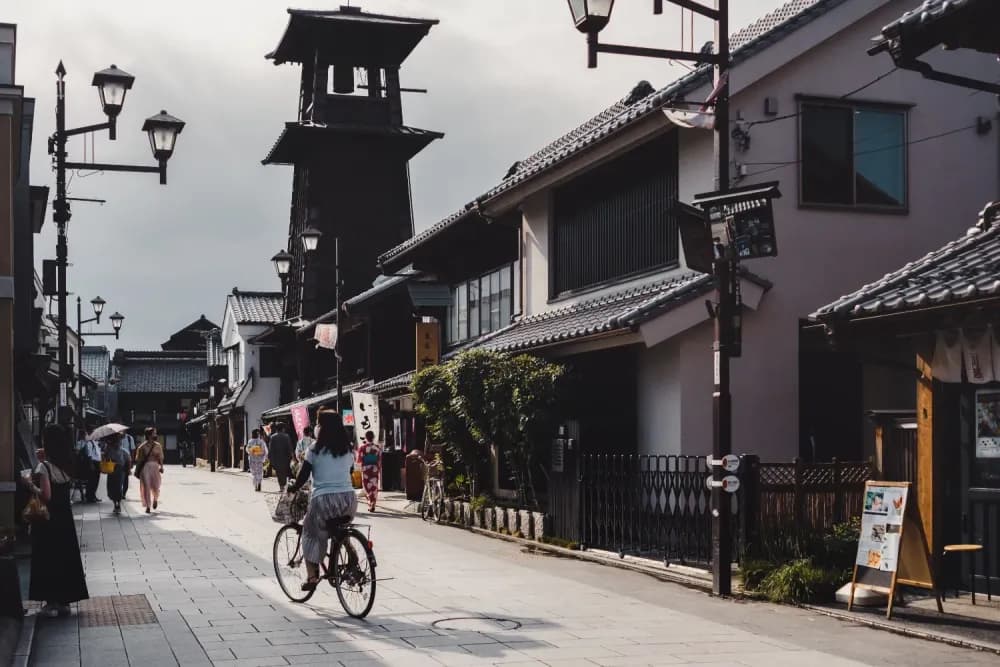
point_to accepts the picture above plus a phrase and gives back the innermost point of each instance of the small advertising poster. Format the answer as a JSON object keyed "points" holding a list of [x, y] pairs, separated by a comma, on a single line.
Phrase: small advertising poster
{"points": [[988, 424], [881, 525], [365, 415]]}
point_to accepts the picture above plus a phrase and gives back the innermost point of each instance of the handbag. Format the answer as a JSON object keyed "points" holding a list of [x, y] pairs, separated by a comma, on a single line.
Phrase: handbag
{"points": [[108, 467], [139, 463], [35, 510], [356, 479]]}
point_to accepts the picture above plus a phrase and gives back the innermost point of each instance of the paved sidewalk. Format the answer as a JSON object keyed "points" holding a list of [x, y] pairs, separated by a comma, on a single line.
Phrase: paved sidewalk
{"points": [[445, 597]]}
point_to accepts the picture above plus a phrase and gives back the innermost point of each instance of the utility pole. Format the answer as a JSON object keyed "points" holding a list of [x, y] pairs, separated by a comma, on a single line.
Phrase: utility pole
{"points": [[725, 276], [336, 300], [61, 216]]}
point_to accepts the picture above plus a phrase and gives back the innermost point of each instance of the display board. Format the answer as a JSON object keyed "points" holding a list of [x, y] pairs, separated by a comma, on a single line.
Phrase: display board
{"points": [[892, 546]]}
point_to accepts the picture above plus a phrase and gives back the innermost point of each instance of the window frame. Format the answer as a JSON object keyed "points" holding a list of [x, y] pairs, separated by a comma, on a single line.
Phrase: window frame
{"points": [[456, 335], [903, 109]]}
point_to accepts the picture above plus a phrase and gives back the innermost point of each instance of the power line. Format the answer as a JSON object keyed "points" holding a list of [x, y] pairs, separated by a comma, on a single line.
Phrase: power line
{"points": [[842, 97], [782, 165]]}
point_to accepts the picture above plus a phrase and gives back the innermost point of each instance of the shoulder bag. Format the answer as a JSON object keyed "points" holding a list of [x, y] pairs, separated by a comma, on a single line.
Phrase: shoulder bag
{"points": [[36, 510], [140, 461]]}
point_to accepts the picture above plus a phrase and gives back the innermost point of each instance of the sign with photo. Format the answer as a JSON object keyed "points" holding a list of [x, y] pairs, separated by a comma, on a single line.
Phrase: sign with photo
{"points": [[988, 424], [892, 545]]}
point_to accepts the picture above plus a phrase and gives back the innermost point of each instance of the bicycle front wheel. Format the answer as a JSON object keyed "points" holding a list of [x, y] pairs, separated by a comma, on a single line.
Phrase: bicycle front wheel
{"points": [[354, 572], [290, 563]]}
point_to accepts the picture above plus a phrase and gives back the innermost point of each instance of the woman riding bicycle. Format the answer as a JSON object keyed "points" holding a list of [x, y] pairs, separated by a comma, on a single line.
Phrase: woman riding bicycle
{"points": [[329, 463]]}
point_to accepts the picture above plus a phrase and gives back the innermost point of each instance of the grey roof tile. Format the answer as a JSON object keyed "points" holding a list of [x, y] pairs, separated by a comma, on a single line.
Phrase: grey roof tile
{"points": [[256, 307], [613, 312], [642, 101], [153, 374], [967, 268], [95, 362]]}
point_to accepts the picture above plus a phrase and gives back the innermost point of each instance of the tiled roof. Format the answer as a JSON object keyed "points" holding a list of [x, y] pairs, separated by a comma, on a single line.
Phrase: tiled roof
{"points": [[963, 270], [393, 384], [157, 374], [926, 12], [95, 362], [613, 312], [642, 101], [256, 307], [952, 23], [307, 137], [320, 399]]}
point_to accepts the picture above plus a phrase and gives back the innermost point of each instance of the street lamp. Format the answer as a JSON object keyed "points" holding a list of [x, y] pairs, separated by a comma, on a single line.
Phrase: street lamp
{"points": [[112, 86], [282, 266], [590, 17], [98, 304], [310, 238], [116, 323]]}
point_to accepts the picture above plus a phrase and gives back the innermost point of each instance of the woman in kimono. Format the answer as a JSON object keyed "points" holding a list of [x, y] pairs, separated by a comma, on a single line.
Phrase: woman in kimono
{"points": [[149, 468], [256, 455], [370, 460]]}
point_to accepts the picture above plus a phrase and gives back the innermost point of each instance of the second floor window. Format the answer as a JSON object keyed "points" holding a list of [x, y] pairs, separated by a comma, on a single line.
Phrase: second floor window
{"points": [[234, 364], [482, 305], [852, 155]]}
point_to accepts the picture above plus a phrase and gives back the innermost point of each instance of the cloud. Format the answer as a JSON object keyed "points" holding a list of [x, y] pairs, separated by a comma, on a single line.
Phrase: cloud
{"points": [[504, 79]]}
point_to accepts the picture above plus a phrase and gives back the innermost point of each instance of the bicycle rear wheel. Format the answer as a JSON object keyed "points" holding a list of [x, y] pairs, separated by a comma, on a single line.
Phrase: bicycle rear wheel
{"points": [[354, 573], [426, 509], [290, 563]]}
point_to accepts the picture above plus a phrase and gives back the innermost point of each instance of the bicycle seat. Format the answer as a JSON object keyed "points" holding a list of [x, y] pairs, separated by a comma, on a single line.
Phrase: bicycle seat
{"points": [[333, 525]]}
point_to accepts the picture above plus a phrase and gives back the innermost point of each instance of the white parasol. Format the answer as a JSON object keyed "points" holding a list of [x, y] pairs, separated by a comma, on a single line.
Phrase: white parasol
{"points": [[102, 432]]}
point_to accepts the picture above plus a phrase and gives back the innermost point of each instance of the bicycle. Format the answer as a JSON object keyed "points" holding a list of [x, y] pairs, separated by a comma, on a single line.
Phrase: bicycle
{"points": [[432, 500], [349, 566]]}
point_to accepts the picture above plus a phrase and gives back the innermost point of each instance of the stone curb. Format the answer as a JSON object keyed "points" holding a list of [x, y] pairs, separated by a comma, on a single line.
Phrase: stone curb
{"points": [[682, 575], [940, 637], [26, 641]]}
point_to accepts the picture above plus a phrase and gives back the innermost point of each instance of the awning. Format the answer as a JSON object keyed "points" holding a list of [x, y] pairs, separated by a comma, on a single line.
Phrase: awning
{"points": [[238, 397], [317, 400]]}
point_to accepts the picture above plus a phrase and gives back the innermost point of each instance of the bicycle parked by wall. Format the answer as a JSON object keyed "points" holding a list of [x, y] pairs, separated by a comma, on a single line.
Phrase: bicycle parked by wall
{"points": [[349, 565], [432, 500]]}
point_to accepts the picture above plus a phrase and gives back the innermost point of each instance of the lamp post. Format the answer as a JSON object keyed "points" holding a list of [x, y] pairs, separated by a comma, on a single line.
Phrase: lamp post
{"points": [[310, 237], [112, 86], [590, 17], [116, 324], [282, 261]]}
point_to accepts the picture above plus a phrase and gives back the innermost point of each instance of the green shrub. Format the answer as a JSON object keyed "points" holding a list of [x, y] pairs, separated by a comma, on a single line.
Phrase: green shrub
{"points": [[559, 542], [480, 502], [755, 571], [801, 581]]}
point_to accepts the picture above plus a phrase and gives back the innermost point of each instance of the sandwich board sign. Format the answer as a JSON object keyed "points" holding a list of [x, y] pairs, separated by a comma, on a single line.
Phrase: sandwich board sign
{"points": [[892, 547]]}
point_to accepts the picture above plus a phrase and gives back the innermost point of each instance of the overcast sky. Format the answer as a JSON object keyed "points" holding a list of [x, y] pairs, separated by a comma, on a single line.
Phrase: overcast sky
{"points": [[505, 77]]}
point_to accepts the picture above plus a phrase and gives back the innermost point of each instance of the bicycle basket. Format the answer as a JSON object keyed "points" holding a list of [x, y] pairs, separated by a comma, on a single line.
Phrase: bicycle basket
{"points": [[433, 469], [286, 508]]}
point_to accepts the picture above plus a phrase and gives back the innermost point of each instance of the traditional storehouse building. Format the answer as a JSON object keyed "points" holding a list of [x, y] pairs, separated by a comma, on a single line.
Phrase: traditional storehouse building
{"points": [[161, 387], [602, 281]]}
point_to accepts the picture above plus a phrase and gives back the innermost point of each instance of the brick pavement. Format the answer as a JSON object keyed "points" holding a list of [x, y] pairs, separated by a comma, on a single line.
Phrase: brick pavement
{"points": [[203, 564]]}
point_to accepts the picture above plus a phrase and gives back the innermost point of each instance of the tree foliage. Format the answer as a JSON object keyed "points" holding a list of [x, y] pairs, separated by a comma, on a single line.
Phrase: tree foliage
{"points": [[483, 398]]}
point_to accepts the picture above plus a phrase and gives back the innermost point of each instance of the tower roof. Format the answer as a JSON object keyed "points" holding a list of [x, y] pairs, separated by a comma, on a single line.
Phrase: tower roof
{"points": [[349, 36], [300, 142]]}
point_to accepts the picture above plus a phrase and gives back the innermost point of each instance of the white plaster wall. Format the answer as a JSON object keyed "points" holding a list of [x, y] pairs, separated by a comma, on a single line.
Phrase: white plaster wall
{"points": [[266, 391], [659, 409], [822, 254]]}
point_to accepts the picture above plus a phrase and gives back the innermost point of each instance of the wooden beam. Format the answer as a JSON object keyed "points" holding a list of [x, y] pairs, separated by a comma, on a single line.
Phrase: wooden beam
{"points": [[928, 441]]}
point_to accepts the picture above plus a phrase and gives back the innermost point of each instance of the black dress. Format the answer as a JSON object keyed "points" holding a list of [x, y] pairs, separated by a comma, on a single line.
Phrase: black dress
{"points": [[56, 567]]}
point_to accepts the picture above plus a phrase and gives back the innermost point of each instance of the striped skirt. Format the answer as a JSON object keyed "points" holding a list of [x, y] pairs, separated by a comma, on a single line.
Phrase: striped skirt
{"points": [[315, 536]]}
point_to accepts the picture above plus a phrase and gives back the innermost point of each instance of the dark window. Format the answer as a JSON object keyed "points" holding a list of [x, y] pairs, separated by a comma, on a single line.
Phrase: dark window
{"points": [[481, 305], [853, 155], [616, 220], [270, 367]]}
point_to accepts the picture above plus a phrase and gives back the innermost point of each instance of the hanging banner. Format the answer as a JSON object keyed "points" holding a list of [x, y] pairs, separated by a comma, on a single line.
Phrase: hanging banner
{"points": [[947, 364], [300, 419], [326, 336], [988, 424], [977, 347], [428, 344], [365, 415]]}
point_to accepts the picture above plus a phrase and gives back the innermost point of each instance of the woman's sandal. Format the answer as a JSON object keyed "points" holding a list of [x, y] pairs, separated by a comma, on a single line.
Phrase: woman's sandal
{"points": [[310, 584]]}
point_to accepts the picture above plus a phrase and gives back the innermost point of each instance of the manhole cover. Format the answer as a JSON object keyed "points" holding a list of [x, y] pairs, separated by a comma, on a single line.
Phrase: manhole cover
{"points": [[476, 624], [115, 610]]}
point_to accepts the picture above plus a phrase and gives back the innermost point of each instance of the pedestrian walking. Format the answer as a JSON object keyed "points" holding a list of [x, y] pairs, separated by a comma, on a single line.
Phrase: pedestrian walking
{"points": [[149, 468], [57, 576], [256, 451], [329, 463], [304, 444], [128, 446], [279, 454], [122, 461], [89, 469], [370, 460]]}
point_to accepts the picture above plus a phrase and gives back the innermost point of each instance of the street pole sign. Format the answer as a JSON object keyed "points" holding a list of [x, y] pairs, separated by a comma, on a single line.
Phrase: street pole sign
{"points": [[729, 462], [729, 483]]}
